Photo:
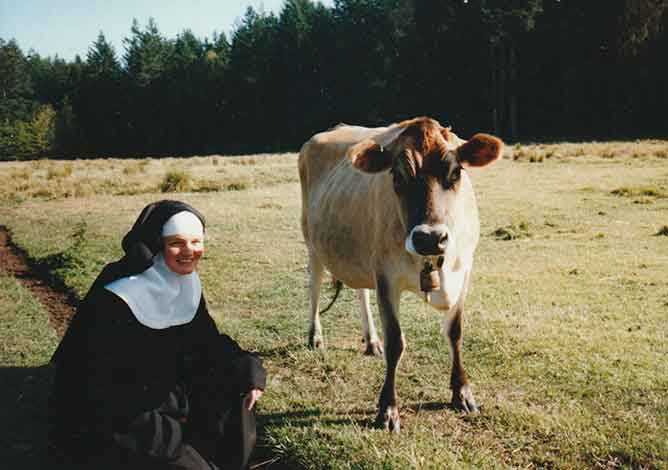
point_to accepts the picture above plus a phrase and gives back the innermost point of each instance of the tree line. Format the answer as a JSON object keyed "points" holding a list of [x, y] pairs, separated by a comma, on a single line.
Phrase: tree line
{"points": [[523, 69]]}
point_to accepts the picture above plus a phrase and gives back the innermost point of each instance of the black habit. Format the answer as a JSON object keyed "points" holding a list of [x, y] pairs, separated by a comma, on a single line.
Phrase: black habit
{"points": [[129, 396]]}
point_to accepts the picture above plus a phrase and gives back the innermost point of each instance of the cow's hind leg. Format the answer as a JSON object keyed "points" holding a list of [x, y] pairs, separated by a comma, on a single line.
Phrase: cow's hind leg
{"points": [[462, 396], [374, 347], [315, 338], [388, 302]]}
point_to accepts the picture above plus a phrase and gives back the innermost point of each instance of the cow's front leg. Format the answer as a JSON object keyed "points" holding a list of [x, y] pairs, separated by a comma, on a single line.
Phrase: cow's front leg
{"points": [[388, 302], [315, 338], [462, 396], [374, 347]]}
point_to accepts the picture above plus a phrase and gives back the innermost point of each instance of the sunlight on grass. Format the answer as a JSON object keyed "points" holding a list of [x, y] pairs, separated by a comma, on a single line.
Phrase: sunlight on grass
{"points": [[565, 337]]}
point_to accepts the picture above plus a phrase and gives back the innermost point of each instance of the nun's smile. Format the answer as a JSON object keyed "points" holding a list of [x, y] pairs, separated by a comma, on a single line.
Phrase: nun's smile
{"points": [[183, 252]]}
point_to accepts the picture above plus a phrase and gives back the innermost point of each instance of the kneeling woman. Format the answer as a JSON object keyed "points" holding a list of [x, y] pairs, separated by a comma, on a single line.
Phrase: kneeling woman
{"points": [[143, 378]]}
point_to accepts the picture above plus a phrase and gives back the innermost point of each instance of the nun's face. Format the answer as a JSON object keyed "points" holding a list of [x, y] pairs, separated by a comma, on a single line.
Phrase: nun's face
{"points": [[183, 252]]}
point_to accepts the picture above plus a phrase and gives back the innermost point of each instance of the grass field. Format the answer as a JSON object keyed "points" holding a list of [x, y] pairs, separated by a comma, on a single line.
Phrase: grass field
{"points": [[565, 338]]}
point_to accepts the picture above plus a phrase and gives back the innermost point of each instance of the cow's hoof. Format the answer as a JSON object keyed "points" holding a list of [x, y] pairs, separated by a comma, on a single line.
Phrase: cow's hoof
{"points": [[389, 419], [317, 343], [374, 348], [463, 400]]}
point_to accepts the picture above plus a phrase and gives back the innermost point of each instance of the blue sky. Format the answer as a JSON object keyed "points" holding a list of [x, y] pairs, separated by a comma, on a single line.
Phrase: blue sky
{"points": [[69, 27]]}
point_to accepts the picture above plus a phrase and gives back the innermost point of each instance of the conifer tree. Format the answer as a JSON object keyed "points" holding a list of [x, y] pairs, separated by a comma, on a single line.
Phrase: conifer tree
{"points": [[251, 92], [97, 101], [17, 104], [16, 92], [146, 57]]}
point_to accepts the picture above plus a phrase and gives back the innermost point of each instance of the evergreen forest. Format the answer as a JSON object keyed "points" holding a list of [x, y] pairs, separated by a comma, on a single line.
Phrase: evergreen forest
{"points": [[522, 69]]}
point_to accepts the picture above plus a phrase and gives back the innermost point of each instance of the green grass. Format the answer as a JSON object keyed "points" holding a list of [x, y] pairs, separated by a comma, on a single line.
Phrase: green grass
{"points": [[565, 337], [25, 349]]}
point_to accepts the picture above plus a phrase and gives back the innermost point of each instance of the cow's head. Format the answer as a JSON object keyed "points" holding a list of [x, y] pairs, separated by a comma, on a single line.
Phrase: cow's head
{"points": [[426, 162]]}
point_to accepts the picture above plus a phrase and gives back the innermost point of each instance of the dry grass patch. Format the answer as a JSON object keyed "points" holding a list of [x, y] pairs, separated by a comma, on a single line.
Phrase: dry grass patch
{"points": [[21, 173], [269, 205], [237, 186], [54, 179], [176, 181], [512, 231], [635, 191], [59, 171], [135, 168], [635, 150], [207, 186]]}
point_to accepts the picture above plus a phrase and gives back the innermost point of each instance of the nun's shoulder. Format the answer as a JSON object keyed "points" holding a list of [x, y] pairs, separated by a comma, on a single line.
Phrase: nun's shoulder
{"points": [[202, 309], [203, 317], [111, 272], [103, 305], [99, 314]]}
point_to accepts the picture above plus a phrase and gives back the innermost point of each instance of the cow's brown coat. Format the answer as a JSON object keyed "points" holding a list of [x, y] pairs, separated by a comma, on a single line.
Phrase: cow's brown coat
{"points": [[364, 191]]}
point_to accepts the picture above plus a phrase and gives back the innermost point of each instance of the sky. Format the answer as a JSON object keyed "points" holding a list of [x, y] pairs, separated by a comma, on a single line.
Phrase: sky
{"points": [[68, 27]]}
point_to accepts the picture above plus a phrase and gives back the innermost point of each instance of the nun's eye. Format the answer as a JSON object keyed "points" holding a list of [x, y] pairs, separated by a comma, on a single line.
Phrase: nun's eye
{"points": [[456, 174]]}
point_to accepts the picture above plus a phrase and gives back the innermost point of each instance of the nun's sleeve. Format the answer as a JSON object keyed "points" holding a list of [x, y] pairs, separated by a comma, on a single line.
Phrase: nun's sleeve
{"points": [[219, 364], [246, 372]]}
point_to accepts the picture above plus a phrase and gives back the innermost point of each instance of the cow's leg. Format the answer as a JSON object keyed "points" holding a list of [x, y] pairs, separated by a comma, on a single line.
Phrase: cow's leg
{"points": [[374, 347], [315, 339], [462, 396], [388, 302]]}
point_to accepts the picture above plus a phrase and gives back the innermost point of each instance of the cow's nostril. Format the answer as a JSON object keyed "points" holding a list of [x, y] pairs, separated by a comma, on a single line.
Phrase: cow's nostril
{"points": [[429, 242], [420, 239]]}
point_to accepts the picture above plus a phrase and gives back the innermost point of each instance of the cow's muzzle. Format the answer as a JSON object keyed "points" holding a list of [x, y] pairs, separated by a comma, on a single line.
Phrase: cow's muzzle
{"points": [[427, 240]]}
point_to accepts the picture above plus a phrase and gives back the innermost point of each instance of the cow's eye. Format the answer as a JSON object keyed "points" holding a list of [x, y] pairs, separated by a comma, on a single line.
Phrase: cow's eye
{"points": [[451, 177]]}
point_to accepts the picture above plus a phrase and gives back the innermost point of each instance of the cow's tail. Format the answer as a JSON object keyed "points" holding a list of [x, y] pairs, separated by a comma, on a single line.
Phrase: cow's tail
{"points": [[339, 286]]}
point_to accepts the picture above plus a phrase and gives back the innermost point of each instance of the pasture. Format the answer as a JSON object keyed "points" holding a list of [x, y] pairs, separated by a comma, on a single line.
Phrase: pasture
{"points": [[565, 336]]}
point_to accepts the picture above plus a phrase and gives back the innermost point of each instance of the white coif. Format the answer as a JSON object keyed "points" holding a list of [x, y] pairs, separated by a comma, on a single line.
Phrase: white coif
{"points": [[158, 297], [183, 223]]}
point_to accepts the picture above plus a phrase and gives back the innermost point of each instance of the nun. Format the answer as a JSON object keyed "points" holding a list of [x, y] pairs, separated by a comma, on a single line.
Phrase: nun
{"points": [[143, 377]]}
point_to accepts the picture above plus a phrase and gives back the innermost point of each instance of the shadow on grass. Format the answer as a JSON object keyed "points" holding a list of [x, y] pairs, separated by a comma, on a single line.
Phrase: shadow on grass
{"points": [[281, 352], [308, 418], [24, 413], [429, 406], [361, 417]]}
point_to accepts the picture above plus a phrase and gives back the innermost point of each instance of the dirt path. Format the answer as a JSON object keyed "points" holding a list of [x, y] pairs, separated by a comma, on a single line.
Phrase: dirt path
{"points": [[59, 304]]}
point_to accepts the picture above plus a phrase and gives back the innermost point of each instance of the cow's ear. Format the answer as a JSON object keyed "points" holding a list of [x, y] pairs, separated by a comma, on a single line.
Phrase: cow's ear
{"points": [[480, 150], [373, 155], [368, 156]]}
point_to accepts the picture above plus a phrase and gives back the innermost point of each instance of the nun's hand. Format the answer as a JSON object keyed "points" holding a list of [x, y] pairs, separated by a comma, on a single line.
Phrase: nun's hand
{"points": [[251, 397]]}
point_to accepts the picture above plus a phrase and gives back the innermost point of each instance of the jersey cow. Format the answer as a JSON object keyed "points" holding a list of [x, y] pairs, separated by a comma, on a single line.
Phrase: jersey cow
{"points": [[384, 208]]}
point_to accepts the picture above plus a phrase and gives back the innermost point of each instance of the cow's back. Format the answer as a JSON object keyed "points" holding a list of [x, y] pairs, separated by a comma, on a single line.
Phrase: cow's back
{"points": [[322, 152]]}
